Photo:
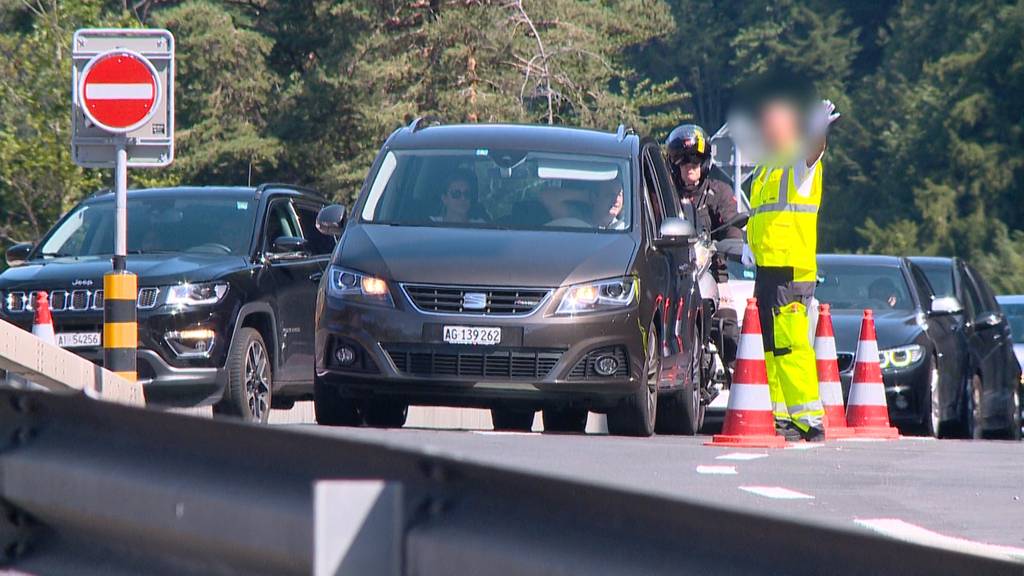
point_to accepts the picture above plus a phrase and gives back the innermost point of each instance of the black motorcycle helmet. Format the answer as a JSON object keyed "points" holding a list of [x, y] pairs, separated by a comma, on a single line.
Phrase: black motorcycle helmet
{"points": [[689, 144]]}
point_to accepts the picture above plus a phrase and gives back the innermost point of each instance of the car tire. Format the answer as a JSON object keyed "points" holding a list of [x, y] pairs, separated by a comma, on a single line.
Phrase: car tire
{"points": [[1013, 431], [932, 424], [385, 414], [332, 409], [971, 422], [682, 412], [565, 420], [249, 391], [637, 414], [510, 420]]}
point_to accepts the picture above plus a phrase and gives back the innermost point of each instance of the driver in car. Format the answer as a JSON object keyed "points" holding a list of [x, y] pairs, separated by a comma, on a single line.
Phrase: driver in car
{"points": [[884, 291], [606, 202]]}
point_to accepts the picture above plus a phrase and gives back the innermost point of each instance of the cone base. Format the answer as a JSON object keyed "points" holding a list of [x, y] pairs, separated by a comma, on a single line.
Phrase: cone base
{"points": [[882, 432], [748, 441], [836, 432]]}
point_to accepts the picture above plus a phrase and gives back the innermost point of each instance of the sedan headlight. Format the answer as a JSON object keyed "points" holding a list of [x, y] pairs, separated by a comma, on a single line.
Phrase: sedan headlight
{"points": [[352, 285], [900, 358], [196, 294], [598, 296]]}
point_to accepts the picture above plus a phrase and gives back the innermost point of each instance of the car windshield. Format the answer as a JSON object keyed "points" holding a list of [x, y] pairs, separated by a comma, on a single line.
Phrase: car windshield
{"points": [[195, 223], [856, 287], [506, 189], [941, 279], [737, 271], [1015, 314]]}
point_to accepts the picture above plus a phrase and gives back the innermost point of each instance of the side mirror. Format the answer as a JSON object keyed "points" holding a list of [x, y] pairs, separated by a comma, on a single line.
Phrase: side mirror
{"points": [[676, 232], [331, 219], [288, 245], [18, 254], [989, 320], [946, 305]]}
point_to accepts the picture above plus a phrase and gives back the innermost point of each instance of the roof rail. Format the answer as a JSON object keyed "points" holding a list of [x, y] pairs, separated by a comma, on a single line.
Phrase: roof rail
{"points": [[622, 131], [423, 121]]}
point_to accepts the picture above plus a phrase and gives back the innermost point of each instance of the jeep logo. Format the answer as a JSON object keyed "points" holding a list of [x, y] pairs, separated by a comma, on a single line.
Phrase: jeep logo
{"points": [[82, 282], [474, 300]]}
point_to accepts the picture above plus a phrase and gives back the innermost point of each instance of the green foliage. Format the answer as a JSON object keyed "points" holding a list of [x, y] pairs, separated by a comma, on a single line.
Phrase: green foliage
{"points": [[927, 159]]}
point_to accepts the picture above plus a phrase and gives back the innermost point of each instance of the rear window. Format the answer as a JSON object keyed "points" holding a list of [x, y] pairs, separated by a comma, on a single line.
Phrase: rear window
{"points": [[1015, 314], [856, 287], [941, 280], [507, 189]]}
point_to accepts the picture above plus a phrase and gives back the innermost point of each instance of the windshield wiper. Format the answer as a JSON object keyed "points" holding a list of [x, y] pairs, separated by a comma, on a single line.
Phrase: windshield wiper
{"points": [[150, 251], [57, 255]]}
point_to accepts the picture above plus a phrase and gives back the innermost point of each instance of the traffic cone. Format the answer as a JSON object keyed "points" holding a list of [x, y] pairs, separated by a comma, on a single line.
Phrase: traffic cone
{"points": [[749, 421], [829, 385], [42, 323], [868, 412]]}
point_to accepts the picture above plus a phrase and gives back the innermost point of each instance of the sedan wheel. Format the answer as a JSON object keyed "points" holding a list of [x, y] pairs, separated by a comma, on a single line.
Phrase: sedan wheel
{"points": [[972, 413], [1014, 432], [635, 416], [682, 412], [933, 424]]}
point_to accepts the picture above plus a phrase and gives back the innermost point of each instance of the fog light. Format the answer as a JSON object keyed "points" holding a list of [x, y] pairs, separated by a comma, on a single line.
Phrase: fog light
{"points": [[344, 355], [191, 343], [606, 365]]}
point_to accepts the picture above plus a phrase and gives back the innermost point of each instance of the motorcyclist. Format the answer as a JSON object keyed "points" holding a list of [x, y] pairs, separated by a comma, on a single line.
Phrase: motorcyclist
{"points": [[689, 154]]}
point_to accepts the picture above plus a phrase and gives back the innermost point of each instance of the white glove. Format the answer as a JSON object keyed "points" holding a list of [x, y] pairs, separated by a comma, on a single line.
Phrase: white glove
{"points": [[823, 117], [748, 257], [724, 293]]}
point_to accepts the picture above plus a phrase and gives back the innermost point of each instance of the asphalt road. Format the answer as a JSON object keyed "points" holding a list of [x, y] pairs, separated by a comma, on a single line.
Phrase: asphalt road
{"points": [[958, 494]]}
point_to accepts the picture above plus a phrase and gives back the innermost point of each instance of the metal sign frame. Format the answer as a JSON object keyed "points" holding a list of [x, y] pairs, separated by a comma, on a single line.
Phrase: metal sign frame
{"points": [[148, 145]]}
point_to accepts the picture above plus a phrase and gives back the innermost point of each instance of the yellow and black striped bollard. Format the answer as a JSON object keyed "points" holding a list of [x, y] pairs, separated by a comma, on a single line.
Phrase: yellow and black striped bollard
{"points": [[120, 325]]}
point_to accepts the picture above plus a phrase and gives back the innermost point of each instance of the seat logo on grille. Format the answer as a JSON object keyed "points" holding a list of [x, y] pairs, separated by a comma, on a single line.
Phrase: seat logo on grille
{"points": [[474, 300]]}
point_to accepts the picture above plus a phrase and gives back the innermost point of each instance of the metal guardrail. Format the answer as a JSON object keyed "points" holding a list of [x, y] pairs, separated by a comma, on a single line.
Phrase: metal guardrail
{"points": [[91, 487]]}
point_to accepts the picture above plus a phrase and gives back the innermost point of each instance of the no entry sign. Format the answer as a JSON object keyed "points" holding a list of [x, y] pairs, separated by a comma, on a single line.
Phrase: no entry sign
{"points": [[120, 91]]}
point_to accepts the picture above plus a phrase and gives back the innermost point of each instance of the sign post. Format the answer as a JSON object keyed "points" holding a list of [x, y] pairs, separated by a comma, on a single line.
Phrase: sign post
{"points": [[122, 116]]}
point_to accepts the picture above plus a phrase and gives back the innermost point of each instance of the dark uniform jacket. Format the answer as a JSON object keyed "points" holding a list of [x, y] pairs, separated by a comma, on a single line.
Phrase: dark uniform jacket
{"points": [[719, 207]]}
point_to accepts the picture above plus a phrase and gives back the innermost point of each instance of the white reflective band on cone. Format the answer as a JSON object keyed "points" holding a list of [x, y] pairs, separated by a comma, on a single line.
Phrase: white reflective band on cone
{"points": [[749, 397]]}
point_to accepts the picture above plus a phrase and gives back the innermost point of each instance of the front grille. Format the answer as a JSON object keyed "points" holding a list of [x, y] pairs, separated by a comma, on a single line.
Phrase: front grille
{"points": [[475, 300], [584, 369], [496, 363], [845, 361], [74, 300]]}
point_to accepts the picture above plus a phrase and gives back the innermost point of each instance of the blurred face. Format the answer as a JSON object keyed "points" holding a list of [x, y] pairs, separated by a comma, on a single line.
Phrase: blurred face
{"points": [[456, 200], [607, 203], [690, 173], [780, 126]]}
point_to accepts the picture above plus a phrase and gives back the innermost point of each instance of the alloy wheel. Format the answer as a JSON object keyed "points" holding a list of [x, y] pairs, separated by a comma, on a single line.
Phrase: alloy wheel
{"points": [[257, 376], [653, 374], [936, 406]]}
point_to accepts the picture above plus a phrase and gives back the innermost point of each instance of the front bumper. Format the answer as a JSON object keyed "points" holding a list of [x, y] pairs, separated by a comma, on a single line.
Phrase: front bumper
{"points": [[403, 356]]}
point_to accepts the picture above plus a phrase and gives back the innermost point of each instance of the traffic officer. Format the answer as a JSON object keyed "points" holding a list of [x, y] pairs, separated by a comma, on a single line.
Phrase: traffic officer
{"points": [[782, 232], [689, 154]]}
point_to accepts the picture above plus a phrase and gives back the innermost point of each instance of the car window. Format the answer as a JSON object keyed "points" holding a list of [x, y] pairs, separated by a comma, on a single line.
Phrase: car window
{"points": [[669, 200], [502, 189], [924, 287], [652, 198], [1015, 314], [940, 278], [987, 300], [973, 303], [281, 221], [319, 243], [849, 286], [183, 222]]}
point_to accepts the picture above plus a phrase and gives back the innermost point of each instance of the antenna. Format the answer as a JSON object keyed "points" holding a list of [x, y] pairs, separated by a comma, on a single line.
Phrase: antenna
{"points": [[250, 174]]}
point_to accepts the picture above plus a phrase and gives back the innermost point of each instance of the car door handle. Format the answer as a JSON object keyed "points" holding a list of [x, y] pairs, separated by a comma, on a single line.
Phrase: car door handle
{"points": [[316, 276]]}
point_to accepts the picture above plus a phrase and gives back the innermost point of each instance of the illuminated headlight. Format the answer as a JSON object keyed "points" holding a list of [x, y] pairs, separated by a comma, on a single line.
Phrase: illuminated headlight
{"points": [[196, 294], [598, 296], [351, 285], [899, 358], [191, 343]]}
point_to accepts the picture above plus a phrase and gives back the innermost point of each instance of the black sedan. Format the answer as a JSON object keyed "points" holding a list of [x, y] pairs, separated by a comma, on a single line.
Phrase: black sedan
{"points": [[516, 268], [930, 363]]}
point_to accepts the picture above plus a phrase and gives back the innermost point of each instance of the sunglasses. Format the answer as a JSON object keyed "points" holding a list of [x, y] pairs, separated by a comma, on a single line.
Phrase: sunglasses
{"points": [[458, 193]]}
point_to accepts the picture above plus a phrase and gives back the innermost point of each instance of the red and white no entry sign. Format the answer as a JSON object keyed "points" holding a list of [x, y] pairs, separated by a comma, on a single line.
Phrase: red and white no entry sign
{"points": [[119, 90]]}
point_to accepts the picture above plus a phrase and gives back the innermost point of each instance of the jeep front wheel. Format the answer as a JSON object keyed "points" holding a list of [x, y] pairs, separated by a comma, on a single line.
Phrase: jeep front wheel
{"points": [[250, 378]]}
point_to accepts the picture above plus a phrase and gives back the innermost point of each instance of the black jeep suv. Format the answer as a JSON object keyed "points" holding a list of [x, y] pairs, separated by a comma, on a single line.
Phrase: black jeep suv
{"points": [[514, 268], [227, 285]]}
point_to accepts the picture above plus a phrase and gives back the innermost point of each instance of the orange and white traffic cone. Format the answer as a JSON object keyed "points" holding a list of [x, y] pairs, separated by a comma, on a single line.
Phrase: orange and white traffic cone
{"points": [[749, 421], [868, 412], [829, 385], [42, 323]]}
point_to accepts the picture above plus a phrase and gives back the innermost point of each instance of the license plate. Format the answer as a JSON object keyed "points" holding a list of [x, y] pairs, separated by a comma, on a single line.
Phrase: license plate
{"points": [[475, 335], [78, 339]]}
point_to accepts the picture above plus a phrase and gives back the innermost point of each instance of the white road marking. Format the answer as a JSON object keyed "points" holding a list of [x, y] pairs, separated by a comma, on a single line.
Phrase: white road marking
{"points": [[740, 456], [503, 433], [727, 470], [777, 492], [119, 91], [862, 439], [907, 532], [803, 445], [919, 438]]}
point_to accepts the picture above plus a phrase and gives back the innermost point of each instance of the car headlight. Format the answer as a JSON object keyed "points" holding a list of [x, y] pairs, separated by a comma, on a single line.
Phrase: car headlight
{"points": [[598, 296], [900, 358], [351, 285], [196, 294]]}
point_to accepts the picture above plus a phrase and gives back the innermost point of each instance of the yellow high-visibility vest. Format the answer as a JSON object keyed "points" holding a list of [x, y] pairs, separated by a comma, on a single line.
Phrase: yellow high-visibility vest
{"points": [[783, 225]]}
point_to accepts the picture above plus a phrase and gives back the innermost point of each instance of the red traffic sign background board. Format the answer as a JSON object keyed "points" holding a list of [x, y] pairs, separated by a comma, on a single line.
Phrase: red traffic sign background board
{"points": [[119, 90]]}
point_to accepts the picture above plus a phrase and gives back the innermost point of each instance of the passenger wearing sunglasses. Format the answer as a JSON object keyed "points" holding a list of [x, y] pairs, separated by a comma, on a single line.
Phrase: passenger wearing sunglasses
{"points": [[459, 201]]}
